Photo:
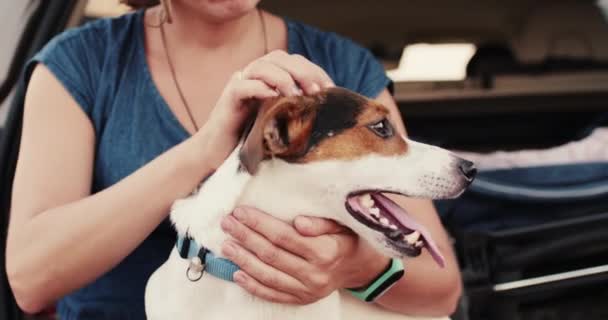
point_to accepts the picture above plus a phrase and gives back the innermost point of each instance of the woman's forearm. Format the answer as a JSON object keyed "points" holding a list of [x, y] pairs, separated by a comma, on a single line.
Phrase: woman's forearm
{"points": [[63, 248], [424, 290]]}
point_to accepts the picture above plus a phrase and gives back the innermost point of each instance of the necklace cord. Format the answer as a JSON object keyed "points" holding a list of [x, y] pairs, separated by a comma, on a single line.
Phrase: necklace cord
{"points": [[172, 67]]}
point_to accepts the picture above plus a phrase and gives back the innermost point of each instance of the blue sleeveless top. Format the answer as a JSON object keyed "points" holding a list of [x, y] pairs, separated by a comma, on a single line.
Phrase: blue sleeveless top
{"points": [[103, 66]]}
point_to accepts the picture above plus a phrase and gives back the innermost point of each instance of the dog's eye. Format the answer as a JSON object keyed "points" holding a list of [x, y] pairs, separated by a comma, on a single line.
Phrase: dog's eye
{"points": [[382, 128]]}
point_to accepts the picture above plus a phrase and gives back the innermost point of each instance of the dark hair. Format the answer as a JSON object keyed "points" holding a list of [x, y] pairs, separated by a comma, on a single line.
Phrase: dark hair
{"points": [[140, 3]]}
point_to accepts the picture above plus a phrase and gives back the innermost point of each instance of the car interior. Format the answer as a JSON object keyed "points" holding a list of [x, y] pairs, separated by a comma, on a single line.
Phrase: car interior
{"points": [[531, 77]]}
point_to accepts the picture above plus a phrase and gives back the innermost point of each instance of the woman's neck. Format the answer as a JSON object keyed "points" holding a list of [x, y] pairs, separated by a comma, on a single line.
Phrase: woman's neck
{"points": [[195, 31]]}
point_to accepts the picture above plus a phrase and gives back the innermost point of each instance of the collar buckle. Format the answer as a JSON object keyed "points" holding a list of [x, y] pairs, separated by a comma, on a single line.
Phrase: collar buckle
{"points": [[201, 261]]}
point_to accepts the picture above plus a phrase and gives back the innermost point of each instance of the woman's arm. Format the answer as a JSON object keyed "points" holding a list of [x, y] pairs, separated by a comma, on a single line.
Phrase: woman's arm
{"points": [[426, 289], [60, 238]]}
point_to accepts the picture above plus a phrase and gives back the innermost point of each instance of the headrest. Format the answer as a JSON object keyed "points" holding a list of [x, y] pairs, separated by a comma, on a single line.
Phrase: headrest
{"points": [[567, 29]]}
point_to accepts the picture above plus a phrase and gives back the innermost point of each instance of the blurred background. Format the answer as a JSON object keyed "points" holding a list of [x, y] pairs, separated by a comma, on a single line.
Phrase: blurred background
{"points": [[520, 86]]}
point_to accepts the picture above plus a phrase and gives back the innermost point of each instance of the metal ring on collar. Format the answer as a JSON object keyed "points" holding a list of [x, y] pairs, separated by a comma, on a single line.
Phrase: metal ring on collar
{"points": [[194, 278], [197, 267]]}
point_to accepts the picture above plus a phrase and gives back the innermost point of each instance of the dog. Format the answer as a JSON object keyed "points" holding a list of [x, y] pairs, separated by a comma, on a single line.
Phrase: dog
{"points": [[330, 155]]}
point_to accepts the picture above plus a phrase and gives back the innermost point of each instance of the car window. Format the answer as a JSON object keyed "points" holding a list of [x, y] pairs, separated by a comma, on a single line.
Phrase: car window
{"points": [[14, 15]]}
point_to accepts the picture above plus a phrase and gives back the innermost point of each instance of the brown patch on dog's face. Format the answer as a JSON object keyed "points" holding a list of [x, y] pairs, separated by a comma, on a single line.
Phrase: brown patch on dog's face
{"points": [[334, 124]]}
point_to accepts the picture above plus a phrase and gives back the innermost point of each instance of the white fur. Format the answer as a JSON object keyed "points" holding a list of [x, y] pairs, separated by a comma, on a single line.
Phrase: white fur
{"points": [[284, 190]]}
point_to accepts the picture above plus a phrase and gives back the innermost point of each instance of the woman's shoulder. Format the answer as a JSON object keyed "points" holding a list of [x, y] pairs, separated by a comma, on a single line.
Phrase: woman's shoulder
{"points": [[316, 42], [349, 64], [95, 35], [77, 56]]}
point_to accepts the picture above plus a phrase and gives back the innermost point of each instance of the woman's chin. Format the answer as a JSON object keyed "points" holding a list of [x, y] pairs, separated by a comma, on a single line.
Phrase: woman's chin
{"points": [[224, 10]]}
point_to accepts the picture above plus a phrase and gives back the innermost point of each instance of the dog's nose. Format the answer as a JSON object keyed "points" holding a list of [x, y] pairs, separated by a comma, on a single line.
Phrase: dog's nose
{"points": [[468, 169]]}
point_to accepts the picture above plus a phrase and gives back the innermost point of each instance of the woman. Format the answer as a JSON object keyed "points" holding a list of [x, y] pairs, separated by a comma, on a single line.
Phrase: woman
{"points": [[125, 115]]}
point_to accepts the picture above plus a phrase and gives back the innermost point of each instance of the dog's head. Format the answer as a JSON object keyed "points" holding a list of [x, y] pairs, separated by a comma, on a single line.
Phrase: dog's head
{"points": [[341, 149]]}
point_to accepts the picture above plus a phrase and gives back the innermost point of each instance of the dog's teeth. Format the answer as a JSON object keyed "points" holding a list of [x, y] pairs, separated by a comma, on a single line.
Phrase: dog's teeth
{"points": [[374, 212], [419, 244], [412, 237], [375, 215], [384, 221], [366, 200], [393, 227]]}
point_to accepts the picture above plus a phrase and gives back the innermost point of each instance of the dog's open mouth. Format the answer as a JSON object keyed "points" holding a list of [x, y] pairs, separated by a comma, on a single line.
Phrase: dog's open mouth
{"points": [[402, 232]]}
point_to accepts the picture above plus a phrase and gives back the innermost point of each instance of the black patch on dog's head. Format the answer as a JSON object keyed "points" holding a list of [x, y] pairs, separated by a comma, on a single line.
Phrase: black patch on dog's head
{"points": [[337, 112], [290, 127]]}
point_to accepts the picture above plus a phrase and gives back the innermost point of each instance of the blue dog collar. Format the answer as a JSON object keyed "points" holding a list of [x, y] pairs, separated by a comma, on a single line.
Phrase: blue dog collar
{"points": [[202, 260]]}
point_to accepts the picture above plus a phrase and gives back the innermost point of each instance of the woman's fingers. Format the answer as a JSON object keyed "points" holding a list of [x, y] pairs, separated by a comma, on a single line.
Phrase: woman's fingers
{"points": [[279, 261], [288, 73], [261, 272], [266, 251], [279, 233], [272, 269], [259, 290], [321, 251], [314, 227], [274, 76], [310, 77], [242, 89]]}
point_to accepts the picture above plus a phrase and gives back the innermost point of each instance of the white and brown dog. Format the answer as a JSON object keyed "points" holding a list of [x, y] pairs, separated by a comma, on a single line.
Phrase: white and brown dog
{"points": [[330, 155]]}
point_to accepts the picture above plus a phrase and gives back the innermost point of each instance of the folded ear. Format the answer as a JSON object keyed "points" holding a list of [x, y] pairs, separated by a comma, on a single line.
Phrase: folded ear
{"points": [[281, 129]]}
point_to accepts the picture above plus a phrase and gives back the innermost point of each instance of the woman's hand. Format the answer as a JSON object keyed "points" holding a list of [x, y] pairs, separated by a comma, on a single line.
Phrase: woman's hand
{"points": [[277, 73], [297, 264]]}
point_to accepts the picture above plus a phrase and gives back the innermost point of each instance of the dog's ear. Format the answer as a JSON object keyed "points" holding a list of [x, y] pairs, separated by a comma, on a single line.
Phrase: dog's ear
{"points": [[281, 129]]}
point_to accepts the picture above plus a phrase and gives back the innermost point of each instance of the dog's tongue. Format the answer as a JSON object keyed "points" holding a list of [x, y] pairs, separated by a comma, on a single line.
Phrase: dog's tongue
{"points": [[404, 218]]}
